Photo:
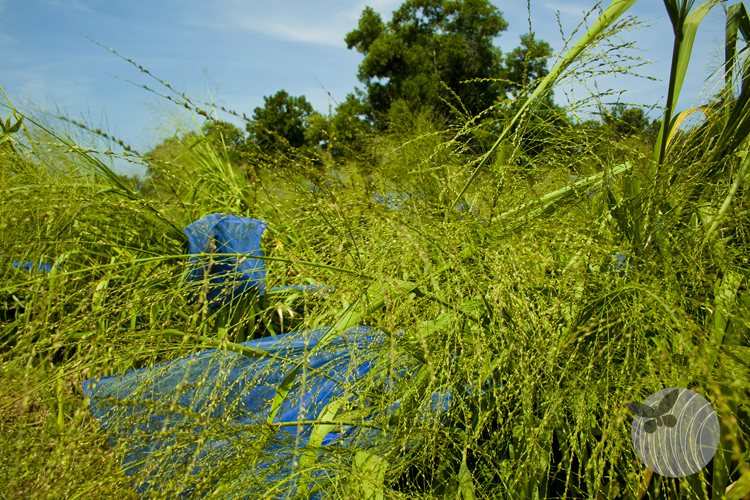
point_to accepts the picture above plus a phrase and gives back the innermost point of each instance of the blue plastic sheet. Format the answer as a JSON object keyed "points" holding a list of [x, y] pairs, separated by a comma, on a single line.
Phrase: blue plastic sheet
{"points": [[203, 418], [229, 277], [42, 267], [176, 422]]}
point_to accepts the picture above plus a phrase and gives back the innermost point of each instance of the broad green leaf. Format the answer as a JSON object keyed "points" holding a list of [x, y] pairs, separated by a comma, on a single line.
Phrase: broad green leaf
{"points": [[739, 488], [310, 455], [737, 21], [371, 471], [685, 27], [466, 482], [682, 116], [281, 393], [539, 206]]}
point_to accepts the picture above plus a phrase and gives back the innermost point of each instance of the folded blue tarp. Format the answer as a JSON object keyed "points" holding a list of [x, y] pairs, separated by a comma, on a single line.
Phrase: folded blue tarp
{"points": [[201, 420], [229, 276], [179, 422], [183, 426]]}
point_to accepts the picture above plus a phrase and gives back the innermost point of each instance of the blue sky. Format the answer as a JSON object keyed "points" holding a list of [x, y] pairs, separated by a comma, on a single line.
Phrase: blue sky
{"points": [[238, 51]]}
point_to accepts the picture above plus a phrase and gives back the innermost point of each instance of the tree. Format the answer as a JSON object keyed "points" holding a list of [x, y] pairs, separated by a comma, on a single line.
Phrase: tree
{"points": [[525, 65], [425, 43], [281, 123], [226, 137], [624, 121]]}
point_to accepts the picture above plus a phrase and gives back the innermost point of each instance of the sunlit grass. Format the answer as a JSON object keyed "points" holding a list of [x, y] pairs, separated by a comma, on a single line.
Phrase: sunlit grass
{"points": [[528, 295]]}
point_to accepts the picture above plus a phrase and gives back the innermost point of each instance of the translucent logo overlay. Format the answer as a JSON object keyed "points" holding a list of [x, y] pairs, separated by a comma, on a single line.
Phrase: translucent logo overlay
{"points": [[675, 431]]}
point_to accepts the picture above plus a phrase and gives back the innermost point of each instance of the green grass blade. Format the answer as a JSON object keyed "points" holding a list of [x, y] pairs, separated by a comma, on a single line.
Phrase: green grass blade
{"points": [[371, 471], [310, 455], [723, 309], [728, 200], [539, 206], [466, 482], [282, 391], [685, 27], [739, 488]]}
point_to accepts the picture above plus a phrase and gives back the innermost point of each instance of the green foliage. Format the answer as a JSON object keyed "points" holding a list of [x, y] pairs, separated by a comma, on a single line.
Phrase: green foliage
{"points": [[525, 65], [352, 124], [227, 137], [624, 121], [281, 123], [526, 300], [425, 43]]}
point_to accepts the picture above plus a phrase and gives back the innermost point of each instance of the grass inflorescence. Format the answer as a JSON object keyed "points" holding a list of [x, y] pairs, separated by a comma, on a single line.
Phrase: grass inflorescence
{"points": [[542, 292]]}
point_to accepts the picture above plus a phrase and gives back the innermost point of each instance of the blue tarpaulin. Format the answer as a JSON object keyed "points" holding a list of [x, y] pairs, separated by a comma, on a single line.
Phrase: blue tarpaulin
{"points": [[172, 421], [204, 417], [229, 276]]}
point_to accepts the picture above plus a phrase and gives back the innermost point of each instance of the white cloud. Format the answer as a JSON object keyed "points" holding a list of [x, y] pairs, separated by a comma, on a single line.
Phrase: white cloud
{"points": [[296, 21]]}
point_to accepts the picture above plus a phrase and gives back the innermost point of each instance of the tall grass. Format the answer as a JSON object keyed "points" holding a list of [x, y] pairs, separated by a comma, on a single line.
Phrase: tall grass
{"points": [[527, 296]]}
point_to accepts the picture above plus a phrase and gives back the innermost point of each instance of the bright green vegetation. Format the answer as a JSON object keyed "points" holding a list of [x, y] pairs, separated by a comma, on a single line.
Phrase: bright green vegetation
{"points": [[532, 298]]}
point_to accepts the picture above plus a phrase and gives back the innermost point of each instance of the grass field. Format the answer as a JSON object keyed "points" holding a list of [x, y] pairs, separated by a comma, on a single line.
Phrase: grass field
{"points": [[564, 299]]}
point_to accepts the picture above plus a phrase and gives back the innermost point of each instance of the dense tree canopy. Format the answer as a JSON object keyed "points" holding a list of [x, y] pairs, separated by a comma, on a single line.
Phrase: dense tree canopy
{"points": [[428, 42], [525, 64], [626, 121], [229, 138], [281, 123]]}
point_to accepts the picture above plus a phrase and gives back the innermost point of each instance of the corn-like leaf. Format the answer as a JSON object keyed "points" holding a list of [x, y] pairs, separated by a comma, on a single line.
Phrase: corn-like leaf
{"points": [[615, 10], [685, 27], [682, 116], [371, 471], [310, 455], [281, 393], [737, 21], [739, 488]]}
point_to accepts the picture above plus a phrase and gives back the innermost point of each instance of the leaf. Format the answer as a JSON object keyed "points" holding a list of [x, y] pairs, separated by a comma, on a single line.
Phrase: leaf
{"points": [[682, 116], [466, 482], [371, 469], [310, 455], [538, 207], [685, 27], [723, 307], [737, 21], [739, 488], [14, 128], [281, 393], [738, 181]]}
